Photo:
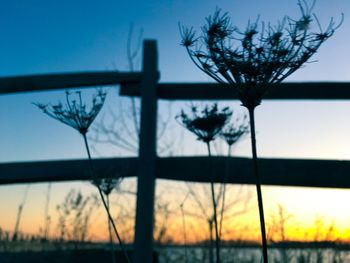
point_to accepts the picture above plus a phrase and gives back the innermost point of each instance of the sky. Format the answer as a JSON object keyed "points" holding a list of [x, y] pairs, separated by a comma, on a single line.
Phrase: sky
{"points": [[67, 36]]}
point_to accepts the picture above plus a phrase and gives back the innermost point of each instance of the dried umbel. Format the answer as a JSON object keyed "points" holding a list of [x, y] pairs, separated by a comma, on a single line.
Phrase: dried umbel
{"points": [[258, 56], [235, 130], [75, 113], [207, 123], [254, 59], [108, 184]]}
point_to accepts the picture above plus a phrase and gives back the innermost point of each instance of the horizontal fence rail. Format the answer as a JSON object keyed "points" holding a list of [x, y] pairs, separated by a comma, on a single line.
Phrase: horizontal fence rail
{"points": [[283, 172], [214, 91], [65, 80]]}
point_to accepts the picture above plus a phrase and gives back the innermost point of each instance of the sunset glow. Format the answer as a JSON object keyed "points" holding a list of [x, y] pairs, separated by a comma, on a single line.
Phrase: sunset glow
{"points": [[56, 36]]}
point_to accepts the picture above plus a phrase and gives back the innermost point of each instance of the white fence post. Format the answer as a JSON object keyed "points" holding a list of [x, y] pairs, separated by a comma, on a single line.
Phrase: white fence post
{"points": [[143, 245]]}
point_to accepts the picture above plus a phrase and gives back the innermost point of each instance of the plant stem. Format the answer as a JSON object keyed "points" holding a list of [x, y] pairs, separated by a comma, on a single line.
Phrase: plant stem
{"points": [[224, 189], [47, 216], [184, 230], [104, 201], [211, 246], [110, 232], [258, 184], [19, 214], [217, 238]]}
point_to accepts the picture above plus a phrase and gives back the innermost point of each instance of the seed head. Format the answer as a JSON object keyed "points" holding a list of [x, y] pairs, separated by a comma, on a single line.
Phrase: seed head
{"points": [[108, 184], [259, 56], [235, 130], [75, 113], [207, 123]]}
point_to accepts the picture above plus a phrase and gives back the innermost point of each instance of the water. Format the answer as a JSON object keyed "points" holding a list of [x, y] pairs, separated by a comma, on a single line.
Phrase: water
{"points": [[171, 254]]}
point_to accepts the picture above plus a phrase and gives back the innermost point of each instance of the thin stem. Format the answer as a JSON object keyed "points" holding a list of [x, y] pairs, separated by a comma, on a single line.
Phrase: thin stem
{"points": [[184, 230], [211, 247], [217, 237], [19, 214], [110, 233], [47, 216], [258, 184], [224, 189], [104, 201]]}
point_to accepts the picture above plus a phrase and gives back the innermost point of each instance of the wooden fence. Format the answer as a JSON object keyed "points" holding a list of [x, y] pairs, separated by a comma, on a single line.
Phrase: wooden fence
{"points": [[147, 166]]}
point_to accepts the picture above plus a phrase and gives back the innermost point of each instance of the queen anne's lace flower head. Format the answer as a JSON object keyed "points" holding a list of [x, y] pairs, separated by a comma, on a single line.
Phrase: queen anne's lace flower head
{"points": [[258, 56], [234, 131], [74, 112], [108, 184], [207, 123]]}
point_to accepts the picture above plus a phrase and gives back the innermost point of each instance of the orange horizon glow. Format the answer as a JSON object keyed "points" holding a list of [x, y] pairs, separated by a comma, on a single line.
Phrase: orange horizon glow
{"points": [[197, 231], [312, 215]]}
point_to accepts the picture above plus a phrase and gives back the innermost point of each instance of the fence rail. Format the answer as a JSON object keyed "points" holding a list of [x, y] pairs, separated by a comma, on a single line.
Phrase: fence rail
{"points": [[312, 173], [214, 91], [283, 172], [43, 82]]}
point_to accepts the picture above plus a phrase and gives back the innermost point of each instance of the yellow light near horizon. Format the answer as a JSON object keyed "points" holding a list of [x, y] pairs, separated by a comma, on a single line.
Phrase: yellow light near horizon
{"points": [[305, 204]]}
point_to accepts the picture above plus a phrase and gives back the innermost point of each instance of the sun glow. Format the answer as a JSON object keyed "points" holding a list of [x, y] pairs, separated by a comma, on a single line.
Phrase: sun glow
{"points": [[312, 214]]}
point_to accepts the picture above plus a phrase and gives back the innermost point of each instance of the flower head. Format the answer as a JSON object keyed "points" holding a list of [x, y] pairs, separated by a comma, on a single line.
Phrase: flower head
{"points": [[187, 36], [258, 56], [207, 123], [75, 113], [108, 184], [234, 131]]}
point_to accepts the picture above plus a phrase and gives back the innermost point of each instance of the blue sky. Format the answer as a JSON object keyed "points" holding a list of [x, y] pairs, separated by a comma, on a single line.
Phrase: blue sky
{"points": [[54, 36], [63, 36]]}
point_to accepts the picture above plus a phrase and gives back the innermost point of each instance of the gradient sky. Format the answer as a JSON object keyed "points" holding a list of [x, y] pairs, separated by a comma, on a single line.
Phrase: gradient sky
{"points": [[64, 36]]}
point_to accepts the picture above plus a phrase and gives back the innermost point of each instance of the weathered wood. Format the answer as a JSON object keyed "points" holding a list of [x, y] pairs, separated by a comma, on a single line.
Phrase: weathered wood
{"points": [[65, 170], [214, 91], [282, 172], [143, 244], [65, 80]]}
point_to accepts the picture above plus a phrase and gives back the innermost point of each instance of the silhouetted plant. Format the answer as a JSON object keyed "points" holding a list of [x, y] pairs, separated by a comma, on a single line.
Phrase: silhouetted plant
{"points": [[207, 125], [236, 127], [47, 218], [234, 131], [252, 61], [16, 231], [122, 129], [163, 213], [231, 134], [184, 227], [74, 215], [278, 233], [76, 115], [107, 185]]}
